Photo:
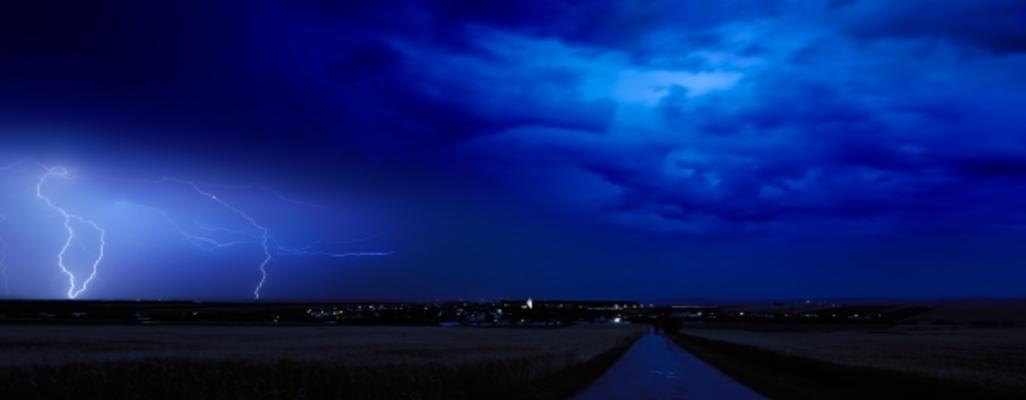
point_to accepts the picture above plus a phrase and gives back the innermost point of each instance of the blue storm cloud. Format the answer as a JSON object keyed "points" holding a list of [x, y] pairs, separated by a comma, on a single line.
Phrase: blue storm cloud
{"points": [[855, 117], [680, 124]]}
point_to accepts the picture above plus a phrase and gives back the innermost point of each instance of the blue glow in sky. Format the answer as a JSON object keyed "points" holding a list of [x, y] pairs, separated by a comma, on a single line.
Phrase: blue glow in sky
{"points": [[466, 149]]}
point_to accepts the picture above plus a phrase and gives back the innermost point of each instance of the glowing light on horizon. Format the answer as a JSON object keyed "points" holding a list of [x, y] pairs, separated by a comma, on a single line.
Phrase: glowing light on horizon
{"points": [[74, 289], [3, 242], [3, 258], [81, 268]]}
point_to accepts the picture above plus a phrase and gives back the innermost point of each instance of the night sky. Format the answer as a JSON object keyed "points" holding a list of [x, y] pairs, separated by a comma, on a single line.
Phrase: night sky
{"points": [[414, 150]]}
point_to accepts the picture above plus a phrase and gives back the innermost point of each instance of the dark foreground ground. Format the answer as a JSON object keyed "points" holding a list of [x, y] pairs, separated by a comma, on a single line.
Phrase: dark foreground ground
{"points": [[261, 362], [900, 362], [555, 349]]}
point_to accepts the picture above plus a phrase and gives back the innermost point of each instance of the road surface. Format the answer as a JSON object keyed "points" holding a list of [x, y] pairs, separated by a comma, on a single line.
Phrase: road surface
{"points": [[655, 368]]}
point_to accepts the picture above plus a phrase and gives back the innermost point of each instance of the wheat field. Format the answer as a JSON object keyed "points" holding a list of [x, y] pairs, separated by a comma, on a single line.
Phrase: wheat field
{"points": [[85, 362], [985, 357]]}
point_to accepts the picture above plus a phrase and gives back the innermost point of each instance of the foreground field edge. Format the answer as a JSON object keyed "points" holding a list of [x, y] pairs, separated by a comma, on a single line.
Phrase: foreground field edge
{"points": [[784, 376]]}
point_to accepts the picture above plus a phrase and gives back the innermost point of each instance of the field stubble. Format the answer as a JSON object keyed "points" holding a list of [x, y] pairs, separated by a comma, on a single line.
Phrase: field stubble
{"points": [[85, 362], [991, 359]]}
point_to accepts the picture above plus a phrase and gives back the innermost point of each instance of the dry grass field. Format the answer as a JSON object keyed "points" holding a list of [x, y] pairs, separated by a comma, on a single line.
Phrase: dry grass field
{"points": [[106, 362], [904, 360]]}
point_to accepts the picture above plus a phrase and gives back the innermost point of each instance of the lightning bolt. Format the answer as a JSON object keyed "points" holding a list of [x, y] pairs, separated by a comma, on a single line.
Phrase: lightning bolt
{"points": [[74, 290], [265, 234], [218, 229], [201, 242], [209, 243], [266, 241], [203, 237], [272, 191], [312, 250]]}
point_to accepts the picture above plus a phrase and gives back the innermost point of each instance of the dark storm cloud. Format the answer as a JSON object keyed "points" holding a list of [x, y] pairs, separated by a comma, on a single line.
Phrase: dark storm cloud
{"points": [[822, 128], [489, 125], [998, 26], [704, 116], [125, 74]]}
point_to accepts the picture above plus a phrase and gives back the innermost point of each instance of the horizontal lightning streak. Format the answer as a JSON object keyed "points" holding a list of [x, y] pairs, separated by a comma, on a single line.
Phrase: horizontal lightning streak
{"points": [[310, 250], [265, 237], [275, 192], [204, 243], [216, 229]]}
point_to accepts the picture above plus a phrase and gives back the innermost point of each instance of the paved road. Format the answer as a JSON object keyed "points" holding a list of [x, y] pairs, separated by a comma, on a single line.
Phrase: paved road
{"points": [[655, 368]]}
